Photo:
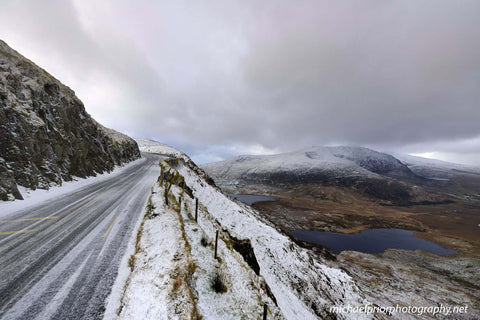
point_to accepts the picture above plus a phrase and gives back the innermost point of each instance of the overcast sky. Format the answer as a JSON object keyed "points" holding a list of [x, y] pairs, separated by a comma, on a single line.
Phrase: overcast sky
{"points": [[221, 78]]}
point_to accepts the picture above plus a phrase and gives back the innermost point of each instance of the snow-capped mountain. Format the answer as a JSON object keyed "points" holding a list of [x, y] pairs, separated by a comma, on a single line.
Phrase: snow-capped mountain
{"points": [[376, 174], [343, 161]]}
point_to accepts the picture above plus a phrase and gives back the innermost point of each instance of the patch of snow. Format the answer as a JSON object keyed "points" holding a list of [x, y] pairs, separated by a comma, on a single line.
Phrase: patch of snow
{"points": [[437, 179], [146, 296]]}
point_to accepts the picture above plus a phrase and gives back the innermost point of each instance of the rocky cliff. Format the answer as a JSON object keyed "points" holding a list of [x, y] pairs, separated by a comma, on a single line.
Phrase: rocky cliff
{"points": [[46, 136]]}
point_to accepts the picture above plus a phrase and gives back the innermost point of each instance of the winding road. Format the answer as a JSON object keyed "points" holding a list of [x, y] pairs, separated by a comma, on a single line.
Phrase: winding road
{"points": [[60, 259]]}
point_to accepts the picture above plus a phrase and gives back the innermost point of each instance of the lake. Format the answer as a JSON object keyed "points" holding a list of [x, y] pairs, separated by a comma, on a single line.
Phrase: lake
{"points": [[252, 198], [371, 241]]}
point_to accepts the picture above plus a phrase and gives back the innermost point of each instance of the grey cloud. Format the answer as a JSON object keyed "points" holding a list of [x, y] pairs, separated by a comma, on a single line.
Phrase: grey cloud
{"points": [[218, 78], [412, 78]]}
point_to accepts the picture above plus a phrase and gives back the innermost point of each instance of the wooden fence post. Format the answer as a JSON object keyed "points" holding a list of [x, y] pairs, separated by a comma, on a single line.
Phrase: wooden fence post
{"points": [[216, 244], [196, 209], [165, 192]]}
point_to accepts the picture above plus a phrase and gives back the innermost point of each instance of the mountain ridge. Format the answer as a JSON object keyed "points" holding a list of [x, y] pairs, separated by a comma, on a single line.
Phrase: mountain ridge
{"points": [[373, 174]]}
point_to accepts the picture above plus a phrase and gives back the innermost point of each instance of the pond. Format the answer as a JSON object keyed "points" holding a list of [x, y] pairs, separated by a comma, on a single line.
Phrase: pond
{"points": [[371, 241], [252, 198]]}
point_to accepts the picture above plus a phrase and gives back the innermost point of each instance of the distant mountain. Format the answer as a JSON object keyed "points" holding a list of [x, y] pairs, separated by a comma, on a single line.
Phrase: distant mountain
{"points": [[152, 146], [46, 136], [432, 168], [374, 174]]}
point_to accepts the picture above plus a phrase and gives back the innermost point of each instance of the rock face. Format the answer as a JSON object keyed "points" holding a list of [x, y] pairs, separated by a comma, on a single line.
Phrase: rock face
{"points": [[46, 135]]}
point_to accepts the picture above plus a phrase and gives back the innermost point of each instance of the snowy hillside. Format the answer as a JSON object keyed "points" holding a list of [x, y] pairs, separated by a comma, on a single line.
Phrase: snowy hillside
{"points": [[365, 171], [339, 161], [432, 168], [173, 268], [152, 146]]}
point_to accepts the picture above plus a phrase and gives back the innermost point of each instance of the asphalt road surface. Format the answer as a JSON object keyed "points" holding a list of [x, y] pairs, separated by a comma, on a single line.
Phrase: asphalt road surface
{"points": [[59, 260]]}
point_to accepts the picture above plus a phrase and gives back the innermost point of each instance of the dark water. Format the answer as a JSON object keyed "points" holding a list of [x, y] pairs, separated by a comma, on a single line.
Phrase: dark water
{"points": [[371, 241], [252, 198]]}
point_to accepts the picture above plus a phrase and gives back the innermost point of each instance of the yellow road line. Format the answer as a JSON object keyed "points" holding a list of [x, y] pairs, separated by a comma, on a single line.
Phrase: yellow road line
{"points": [[19, 231], [28, 219], [109, 228]]}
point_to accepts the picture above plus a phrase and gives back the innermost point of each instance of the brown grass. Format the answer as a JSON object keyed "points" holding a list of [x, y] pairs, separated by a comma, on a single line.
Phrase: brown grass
{"points": [[178, 283], [139, 237], [131, 262]]}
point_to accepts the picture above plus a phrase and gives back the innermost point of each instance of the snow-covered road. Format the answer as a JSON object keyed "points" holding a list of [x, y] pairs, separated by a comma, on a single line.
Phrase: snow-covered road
{"points": [[59, 259]]}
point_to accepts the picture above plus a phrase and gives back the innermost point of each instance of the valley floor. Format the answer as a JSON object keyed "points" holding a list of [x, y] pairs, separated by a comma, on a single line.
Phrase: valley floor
{"points": [[396, 276]]}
